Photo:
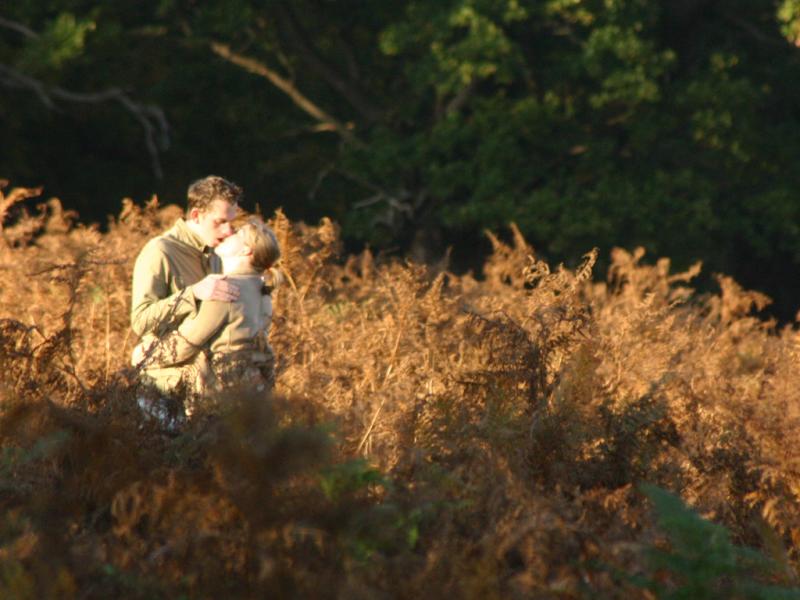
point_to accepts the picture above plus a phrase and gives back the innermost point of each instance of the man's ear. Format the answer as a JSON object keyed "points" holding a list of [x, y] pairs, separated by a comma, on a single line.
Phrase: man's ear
{"points": [[194, 213]]}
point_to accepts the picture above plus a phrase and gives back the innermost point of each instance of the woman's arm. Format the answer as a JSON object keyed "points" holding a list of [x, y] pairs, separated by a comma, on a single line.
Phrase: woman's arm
{"points": [[193, 333]]}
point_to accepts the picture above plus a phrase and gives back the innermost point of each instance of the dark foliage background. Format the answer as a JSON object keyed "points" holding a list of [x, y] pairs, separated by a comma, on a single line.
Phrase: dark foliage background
{"points": [[418, 124]]}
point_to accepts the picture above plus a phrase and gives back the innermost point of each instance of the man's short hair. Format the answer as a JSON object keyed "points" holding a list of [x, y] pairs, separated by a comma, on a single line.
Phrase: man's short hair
{"points": [[204, 191]]}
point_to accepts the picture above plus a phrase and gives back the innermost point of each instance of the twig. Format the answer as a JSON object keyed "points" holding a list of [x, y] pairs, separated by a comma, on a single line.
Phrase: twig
{"points": [[108, 336], [150, 117], [383, 400], [18, 27], [348, 89], [257, 67], [752, 30]]}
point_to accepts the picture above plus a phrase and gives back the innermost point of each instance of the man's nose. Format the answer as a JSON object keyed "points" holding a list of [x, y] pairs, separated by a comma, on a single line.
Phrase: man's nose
{"points": [[227, 229]]}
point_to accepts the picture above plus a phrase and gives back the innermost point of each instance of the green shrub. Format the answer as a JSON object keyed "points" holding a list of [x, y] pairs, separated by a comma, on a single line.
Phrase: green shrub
{"points": [[702, 562]]}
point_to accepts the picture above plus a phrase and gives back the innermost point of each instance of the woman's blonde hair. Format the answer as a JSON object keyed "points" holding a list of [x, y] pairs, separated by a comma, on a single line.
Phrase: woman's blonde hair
{"points": [[263, 242]]}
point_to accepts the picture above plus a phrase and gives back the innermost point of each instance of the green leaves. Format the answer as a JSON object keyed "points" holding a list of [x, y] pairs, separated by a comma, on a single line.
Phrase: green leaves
{"points": [[627, 66], [460, 43], [62, 40], [702, 562], [788, 15], [384, 526], [349, 478]]}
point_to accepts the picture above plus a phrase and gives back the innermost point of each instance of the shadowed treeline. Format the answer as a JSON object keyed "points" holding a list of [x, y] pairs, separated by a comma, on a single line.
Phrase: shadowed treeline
{"points": [[417, 124], [430, 434]]}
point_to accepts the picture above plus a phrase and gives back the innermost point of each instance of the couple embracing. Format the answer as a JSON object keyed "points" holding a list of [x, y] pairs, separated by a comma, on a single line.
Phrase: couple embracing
{"points": [[200, 304]]}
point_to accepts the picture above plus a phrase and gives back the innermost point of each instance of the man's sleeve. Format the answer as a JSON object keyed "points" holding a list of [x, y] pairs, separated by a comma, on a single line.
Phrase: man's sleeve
{"points": [[193, 333], [151, 303]]}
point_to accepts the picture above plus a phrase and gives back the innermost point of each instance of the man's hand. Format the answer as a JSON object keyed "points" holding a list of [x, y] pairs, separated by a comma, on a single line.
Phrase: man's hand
{"points": [[215, 287]]}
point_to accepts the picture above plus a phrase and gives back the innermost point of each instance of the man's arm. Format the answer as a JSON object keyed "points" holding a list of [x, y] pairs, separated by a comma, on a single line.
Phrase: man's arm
{"points": [[152, 305], [215, 287]]}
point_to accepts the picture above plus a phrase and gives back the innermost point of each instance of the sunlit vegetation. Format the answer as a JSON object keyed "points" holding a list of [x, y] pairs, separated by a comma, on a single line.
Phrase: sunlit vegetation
{"points": [[519, 432]]}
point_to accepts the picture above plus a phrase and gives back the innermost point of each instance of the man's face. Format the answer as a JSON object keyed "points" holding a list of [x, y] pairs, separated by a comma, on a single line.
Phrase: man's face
{"points": [[213, 224], [233, 245]]}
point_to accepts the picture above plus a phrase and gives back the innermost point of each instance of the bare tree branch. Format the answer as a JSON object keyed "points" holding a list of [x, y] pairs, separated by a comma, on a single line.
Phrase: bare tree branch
{"points": [[461, 98], [18, 27], [11, 78], [753, 31], [399, 207], [257, 67], [347, 89], [150, 117]]}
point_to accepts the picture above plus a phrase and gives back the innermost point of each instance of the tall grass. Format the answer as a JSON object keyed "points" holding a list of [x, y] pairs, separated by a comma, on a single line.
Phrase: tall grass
{"points": [[429, 434]]}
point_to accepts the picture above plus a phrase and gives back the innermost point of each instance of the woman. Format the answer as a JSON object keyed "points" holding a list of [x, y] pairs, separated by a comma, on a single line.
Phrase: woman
{"points": [[224, 343]]}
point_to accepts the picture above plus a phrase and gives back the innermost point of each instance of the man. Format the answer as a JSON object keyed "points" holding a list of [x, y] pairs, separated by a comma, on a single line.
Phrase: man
{"points": [[176, 269]]}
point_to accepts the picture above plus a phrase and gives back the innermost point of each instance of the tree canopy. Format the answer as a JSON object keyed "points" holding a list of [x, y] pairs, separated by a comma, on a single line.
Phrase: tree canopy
{"points": [[420, 123]]}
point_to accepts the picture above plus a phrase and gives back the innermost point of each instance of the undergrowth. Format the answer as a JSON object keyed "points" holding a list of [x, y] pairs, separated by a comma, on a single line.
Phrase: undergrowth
{"points": [[430, 433]]}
